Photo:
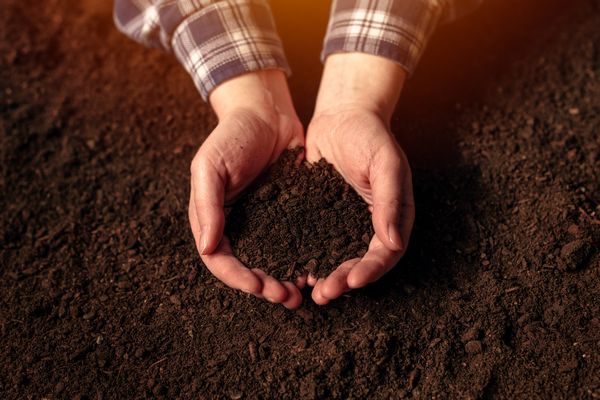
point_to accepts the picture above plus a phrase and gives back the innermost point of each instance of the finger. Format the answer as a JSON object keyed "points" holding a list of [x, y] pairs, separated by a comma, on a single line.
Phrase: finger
{"points": [[317, 294], [375, 263], [293, 127], [228, 269], [208, 188], [194, 224], [301, 281], [313, 154], [293, 138], [294, 298], [300, 157], [296, 141], [272, 289], [386, 184], [337, 282], [297, 138], [311, 280]]}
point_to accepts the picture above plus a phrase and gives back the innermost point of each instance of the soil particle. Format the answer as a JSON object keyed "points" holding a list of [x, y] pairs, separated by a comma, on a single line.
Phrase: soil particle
{"points": [[575, 254], [174, 299], [473, 347], [471, 334], [574, 230], [89, 315], [235, 394], [124, 285], [413, 378], [252, 351], [306, 315]]}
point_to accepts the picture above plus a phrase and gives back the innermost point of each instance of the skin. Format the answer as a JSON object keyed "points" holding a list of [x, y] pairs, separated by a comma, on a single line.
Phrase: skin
{"points": [[350, 129]]}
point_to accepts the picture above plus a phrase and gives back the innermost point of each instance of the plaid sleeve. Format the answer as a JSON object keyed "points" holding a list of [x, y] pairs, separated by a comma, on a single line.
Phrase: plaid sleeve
{"points": [[395, 29], [214, 40]]}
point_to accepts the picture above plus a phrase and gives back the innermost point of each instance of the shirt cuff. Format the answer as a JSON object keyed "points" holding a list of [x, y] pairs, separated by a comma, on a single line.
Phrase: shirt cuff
{"points": [[227, 39], [394, 29]]}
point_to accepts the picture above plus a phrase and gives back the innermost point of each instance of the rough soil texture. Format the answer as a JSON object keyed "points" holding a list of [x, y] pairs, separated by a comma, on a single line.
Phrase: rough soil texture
{"points": [[103, 296], [299, 219]]}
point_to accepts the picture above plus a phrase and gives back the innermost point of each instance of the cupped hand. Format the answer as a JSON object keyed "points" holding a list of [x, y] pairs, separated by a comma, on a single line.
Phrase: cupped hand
{"points": [[350, 129], [257, 123], [365, 153]]}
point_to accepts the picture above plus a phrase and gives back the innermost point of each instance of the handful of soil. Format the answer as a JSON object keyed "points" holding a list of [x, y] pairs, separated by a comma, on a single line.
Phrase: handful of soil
{"points": [[297, 219]]}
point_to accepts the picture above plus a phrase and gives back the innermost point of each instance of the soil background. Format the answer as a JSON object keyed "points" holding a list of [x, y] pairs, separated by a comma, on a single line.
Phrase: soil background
{"points": [[103, 296]]}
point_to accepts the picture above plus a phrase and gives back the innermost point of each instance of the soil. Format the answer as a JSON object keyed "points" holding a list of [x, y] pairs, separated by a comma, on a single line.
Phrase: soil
{"points": [[299, 219], [102, 293]]}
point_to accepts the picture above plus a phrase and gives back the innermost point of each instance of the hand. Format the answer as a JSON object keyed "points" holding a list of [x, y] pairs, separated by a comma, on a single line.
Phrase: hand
{"points": [[257, 122], [350, 129]]}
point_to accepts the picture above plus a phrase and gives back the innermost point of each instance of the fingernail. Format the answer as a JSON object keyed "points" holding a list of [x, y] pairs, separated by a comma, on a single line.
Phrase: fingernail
{"points": [[203, 240], [394, 237]]}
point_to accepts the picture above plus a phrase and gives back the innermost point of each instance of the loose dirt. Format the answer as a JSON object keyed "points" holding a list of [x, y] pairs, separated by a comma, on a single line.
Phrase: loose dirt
{"points": [[103, 295], [299, 219]]}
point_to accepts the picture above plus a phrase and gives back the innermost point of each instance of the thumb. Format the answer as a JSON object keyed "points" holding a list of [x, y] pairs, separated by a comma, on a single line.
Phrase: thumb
{"points": [[386, 186], [312, 153], [208, 188]]}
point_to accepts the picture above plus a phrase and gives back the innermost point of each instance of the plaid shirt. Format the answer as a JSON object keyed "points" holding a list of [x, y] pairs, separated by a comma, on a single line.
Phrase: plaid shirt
{"points": [[216, 40]]}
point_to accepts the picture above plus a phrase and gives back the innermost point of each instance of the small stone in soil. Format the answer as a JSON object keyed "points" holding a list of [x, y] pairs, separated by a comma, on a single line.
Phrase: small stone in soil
{"points": [[89, 315], [471, 334], [473, 347], [174, 299], [574, 254]]}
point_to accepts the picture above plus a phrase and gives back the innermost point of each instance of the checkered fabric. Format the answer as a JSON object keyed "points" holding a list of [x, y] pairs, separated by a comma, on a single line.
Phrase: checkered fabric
{"points": [[216, 40], [395, 29], [213, 40]]}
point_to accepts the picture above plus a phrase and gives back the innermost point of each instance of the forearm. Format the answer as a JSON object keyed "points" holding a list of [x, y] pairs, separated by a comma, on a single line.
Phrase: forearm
{"points": [[360, 80]]}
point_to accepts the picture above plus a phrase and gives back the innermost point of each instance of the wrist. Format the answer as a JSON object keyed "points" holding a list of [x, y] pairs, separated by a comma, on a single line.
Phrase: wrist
{"points": [[264, 93], [360, 81]]}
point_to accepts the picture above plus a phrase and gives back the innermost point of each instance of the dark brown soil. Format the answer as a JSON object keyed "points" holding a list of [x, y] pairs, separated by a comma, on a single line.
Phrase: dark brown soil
{"points": [[299, 219], [103, 296]]}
